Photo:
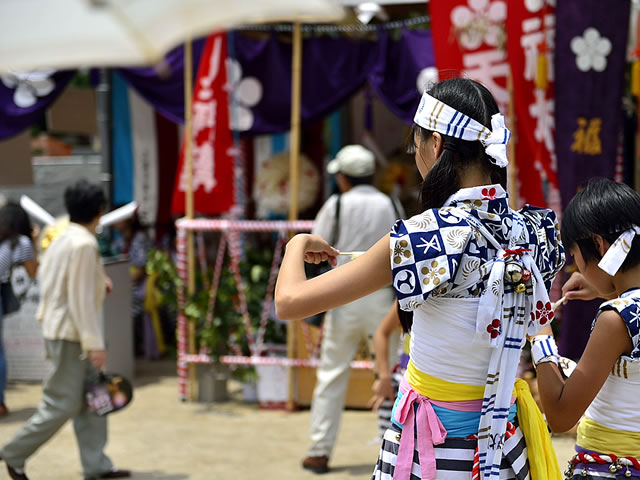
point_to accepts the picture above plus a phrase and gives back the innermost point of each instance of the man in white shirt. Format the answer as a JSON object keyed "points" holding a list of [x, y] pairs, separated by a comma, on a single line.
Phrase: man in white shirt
{"points": [[365, 216], [72, 289]]}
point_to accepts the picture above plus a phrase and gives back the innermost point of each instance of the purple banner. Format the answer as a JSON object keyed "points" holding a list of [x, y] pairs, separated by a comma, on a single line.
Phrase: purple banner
{"points": [[591, 44], [590, 49], [24, 97]]}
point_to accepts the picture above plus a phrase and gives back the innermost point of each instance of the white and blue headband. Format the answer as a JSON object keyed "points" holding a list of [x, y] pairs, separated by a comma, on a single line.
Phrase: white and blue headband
{"points": [[439, 117], [618, 251]]}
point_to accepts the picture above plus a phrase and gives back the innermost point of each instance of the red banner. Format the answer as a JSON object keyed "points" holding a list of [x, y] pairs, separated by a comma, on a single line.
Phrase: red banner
{"points": [[530, 45], [212, 141], [469, 41]]}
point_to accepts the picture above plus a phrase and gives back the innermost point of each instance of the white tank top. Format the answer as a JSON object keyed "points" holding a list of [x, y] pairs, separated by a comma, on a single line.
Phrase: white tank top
{"points": [[435, 323]]}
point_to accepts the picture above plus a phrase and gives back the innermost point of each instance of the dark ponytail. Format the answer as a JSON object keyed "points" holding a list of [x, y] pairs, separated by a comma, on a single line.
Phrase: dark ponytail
{"points": [[443, 180]]}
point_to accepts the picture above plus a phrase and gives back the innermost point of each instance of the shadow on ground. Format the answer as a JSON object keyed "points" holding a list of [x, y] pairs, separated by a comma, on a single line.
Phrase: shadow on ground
{"points": [[159, 476], [20, 415], [354, 470]]}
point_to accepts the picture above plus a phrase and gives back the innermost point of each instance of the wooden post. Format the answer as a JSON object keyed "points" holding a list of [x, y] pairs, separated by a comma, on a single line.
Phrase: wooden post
{"points": [[512, 169], [294, 178], [188, 157]]}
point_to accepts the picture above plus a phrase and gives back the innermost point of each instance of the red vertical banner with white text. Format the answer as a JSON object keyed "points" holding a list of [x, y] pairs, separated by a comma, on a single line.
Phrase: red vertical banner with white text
{"points": [[469, 41], [212, 140], [530, 45]]}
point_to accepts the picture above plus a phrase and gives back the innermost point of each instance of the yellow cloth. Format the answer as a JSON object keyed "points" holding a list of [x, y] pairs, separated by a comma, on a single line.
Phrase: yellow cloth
{"points": [[441, 390], [152, 300], [543, 463], [596, 437]]}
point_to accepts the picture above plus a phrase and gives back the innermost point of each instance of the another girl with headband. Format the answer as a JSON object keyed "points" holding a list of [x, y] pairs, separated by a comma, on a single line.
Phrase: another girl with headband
{"points": [[600, 227], [474, 274]]}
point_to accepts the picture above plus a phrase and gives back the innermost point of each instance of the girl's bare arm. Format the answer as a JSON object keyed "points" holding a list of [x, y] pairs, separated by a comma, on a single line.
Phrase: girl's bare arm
{"points": [[564, 402], [297, 298]]}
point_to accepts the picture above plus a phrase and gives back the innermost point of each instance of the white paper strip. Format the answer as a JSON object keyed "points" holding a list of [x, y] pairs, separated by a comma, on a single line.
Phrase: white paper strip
{"points": [[36, 211], [118, 214]]}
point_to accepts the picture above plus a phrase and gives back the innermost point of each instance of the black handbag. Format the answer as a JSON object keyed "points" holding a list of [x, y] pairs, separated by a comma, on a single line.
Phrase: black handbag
{"points": [[10, 302], [315, 269]]}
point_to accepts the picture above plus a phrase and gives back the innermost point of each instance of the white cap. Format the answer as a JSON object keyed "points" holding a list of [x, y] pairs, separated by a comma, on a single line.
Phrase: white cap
{"points": [[353, 161]]}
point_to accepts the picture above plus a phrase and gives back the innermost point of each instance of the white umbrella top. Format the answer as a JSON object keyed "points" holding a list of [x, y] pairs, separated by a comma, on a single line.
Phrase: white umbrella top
{"points": [[60, 34]]}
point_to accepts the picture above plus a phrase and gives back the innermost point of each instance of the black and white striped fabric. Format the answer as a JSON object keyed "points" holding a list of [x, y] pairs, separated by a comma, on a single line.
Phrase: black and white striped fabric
{"points": [[13, 255], [454, 458]]}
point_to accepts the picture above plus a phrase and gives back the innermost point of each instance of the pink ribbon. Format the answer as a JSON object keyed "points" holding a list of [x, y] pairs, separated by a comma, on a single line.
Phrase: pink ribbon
{"points": [[430, 432]]}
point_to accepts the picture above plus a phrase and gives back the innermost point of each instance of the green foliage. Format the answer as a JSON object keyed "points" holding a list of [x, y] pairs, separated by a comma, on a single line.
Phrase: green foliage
{"points": [[245, 374], [227, 325], [227, 322], [159, 262]]}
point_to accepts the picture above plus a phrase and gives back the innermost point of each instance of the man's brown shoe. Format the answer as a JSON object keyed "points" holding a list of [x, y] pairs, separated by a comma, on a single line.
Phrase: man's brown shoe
{"points": [[316, 464]]}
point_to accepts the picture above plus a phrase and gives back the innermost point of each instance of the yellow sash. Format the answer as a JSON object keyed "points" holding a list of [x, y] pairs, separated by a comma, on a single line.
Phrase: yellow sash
{"points": [[543, 463], [596, 437], [441, 390]]}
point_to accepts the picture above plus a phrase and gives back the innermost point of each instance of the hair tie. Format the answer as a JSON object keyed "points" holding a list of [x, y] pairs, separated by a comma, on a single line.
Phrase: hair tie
{"points": [[450, 146], [618, 251]]}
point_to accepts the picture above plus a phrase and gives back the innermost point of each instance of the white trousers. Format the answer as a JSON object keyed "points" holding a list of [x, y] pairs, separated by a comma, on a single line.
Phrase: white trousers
{"points": [[344, 330]]}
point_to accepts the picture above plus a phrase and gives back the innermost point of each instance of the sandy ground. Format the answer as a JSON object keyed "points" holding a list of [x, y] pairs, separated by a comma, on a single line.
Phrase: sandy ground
{"points": [[158, 437]]}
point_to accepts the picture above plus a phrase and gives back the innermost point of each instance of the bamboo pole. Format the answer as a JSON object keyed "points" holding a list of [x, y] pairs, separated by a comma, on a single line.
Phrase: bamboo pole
{"points": [[294, 179], [188, 202], [512, 169], [636, 167]]}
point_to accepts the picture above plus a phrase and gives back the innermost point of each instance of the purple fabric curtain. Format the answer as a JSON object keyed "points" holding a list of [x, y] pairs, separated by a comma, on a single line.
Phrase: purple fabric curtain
{"points": [[25, 96], [334, 68], [163, 86], [399, 63], [589, 62]]}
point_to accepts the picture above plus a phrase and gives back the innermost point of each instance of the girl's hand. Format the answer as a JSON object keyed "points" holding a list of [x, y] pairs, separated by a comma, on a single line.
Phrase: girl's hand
{"points": [[577, 288], [317, 249], [382, 390]]}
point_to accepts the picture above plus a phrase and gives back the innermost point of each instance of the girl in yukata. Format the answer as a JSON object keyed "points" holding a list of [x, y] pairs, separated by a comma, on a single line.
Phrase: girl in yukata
{"points": [[473, 275], [599, 228]]}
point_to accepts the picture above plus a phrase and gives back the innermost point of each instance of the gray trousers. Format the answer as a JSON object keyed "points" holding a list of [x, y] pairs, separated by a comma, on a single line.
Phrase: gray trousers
{"points": [[63, 398]]}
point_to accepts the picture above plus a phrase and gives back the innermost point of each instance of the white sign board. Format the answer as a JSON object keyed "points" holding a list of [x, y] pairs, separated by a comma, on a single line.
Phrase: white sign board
{"points": [[23, 342]]}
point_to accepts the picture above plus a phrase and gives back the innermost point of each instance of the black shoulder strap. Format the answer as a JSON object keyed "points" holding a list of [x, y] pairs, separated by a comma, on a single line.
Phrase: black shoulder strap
{"points": [[395, 207], [336, 223]]}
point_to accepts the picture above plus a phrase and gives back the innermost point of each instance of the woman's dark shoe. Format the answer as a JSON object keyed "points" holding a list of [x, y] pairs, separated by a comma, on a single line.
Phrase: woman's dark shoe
{"points": [[16, 474]]}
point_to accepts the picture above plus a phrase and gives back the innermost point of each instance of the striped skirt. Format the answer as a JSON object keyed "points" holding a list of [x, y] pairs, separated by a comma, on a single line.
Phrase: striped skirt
{"points": [[454, 458]]}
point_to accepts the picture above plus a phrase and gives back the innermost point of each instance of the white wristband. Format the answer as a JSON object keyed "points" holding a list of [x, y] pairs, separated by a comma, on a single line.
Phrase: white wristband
{"points": [[544, 349]]}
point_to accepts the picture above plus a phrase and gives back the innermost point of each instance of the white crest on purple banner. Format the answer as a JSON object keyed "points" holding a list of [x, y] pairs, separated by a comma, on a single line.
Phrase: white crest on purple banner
{"points": [[591, 50], [28, 86], [245, 93]]}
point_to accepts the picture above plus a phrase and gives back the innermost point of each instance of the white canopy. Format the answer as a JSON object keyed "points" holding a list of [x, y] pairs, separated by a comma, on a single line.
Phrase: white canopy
{"points": [[59, 34]]}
